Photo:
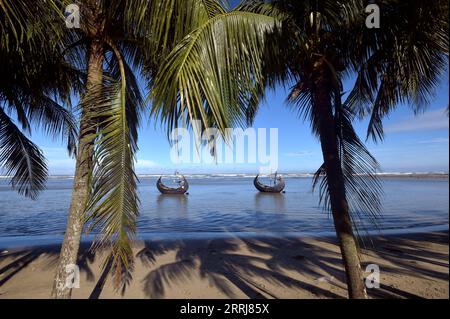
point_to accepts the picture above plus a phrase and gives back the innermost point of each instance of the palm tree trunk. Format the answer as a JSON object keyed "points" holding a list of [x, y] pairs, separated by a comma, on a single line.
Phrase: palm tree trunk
{"points": [[335, 180], [80, 192]]}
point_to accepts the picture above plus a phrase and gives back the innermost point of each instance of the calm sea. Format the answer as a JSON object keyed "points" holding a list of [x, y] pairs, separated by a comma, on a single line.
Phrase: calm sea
{"points": [[221, 206]]}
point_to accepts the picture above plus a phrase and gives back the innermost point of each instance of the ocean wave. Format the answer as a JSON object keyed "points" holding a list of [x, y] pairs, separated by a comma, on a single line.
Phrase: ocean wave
{"points": [[249, 175]]}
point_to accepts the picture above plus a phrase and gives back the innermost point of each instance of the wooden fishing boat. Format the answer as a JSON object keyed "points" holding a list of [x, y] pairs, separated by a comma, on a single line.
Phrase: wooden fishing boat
{"points": [[278, 187], [182, 189]]}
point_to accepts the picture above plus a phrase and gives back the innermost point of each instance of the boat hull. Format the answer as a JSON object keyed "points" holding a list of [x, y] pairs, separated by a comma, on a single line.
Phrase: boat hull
{"points": [[170, 190], [278, 188]]}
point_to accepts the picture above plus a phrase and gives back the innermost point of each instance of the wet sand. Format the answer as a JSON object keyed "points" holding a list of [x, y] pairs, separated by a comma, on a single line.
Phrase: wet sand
{"points": [[411, 266]]}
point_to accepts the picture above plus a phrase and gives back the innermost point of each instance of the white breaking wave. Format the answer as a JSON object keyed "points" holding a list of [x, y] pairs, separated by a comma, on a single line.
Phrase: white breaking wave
{"points": [[248, 175]]}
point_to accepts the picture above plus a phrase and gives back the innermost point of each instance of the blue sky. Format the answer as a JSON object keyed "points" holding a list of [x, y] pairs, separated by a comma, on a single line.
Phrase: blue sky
{"points": [[412, 143]]}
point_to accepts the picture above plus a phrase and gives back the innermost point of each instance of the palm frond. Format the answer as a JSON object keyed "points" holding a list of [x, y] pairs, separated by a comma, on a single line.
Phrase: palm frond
{"points": [[360, 168], [55, 120], [363, 189], [402, 62], [20, 26], [214, 72], [114, 204], [36, 99], [134, 96], [168, 21], [300, 99], [35, 82], [21, 159]]}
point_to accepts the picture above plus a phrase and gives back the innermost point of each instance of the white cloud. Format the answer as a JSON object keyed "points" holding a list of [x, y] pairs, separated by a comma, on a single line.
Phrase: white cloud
{"points": [[142, 163], [429, 121], [299, 154], [437, 140]]}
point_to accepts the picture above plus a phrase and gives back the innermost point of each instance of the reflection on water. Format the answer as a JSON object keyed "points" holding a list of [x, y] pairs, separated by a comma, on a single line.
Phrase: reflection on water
{"points": [[172, 204], [220, 205], [275, 201]]}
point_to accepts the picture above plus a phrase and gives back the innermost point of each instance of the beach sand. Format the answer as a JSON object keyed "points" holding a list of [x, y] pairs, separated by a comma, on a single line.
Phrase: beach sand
{"points": [[411, 266]]}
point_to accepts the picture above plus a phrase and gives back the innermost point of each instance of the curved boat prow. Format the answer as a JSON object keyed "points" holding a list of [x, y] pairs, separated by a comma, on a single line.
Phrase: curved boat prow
{"points": [[277, 188], [182, 189]]}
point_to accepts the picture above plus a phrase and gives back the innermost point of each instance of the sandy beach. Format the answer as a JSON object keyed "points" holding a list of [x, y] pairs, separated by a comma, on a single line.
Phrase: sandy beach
{"points": [[411, 266]]}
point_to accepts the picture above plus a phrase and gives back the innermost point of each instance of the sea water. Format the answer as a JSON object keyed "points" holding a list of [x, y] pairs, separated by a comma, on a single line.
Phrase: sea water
{"points": [[227, 206]]}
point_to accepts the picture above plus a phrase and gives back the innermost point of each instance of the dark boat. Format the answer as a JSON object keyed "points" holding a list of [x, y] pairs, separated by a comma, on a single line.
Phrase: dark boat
{"points": [[277, 188], [182, 189]]}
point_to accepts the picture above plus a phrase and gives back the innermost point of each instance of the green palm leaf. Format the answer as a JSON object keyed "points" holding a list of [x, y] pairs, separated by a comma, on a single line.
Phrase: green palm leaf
{"points": [[214, 73], [35, 82], [21, 159], [30, 22], [362, 186], [114, 204], [402, 62]]}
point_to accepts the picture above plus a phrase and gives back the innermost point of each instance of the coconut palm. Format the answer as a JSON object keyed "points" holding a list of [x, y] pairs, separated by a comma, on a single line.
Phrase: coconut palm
{"points": [[118, 41], [34, 84], [104, 188], [316, 47]]}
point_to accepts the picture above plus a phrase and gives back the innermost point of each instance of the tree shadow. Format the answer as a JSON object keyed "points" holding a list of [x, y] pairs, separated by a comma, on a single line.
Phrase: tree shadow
{"points": [[412, 258], [95, 294], [388, 292], [23, 258], [247, 265], [220, 262], [409, 258]]}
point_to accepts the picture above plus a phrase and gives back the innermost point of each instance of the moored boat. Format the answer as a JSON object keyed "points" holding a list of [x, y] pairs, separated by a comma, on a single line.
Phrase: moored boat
{"points": [[278, 186], [181, 189]]}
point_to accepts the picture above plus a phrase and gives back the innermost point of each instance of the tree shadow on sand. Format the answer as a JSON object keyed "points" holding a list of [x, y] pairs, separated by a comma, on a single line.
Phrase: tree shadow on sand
{"points": [[410, 259], [220, 262], [234, 265], [20, 259]]}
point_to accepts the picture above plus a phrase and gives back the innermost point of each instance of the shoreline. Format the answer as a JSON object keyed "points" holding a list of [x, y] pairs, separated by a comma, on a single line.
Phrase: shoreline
{"points": [[11, 242], [418, 175], [411, 266]]}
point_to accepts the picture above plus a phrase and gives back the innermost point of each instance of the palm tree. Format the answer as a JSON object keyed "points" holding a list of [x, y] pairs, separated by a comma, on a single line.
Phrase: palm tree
{"points": [[119, 40], [33, 85], [314, 47], [104, 180]]}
